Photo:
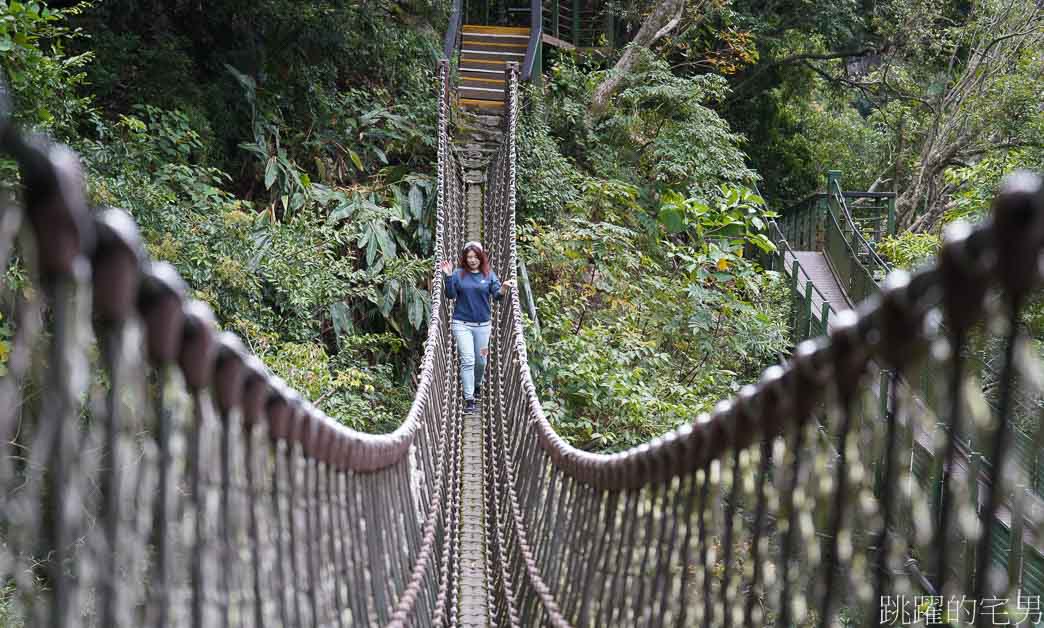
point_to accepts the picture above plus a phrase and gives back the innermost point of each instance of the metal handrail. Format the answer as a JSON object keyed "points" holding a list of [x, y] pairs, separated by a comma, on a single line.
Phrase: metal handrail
{"points": [[856, 194], [536, 30], [840, 198], [449, 45]]}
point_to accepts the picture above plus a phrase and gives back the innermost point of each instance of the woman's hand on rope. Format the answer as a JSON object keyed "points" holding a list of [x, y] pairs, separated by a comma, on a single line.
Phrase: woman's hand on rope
{"points": [[447, 268], [506, 286]]}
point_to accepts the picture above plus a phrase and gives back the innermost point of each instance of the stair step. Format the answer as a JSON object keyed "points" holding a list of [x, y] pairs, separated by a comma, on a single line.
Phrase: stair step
{"points": [[484, 81], [507, 49], [503, 30], [481, 74], [494, 90], [473, 65], [474, 94], [481, 103], [498, 39], [488, 54]]}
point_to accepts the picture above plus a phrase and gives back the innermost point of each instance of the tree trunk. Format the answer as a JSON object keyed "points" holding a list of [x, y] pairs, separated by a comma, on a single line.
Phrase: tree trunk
{"points": [[663, 19]]}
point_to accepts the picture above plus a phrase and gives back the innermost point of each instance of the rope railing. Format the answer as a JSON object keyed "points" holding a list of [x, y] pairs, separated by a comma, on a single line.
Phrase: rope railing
{"points": [[793, 502], [154, 473]]}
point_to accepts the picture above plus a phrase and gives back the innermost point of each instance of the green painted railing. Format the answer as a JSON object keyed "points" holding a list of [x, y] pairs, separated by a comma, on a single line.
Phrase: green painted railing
{"points": [[581, 23], [847, 226], [806, 321]]}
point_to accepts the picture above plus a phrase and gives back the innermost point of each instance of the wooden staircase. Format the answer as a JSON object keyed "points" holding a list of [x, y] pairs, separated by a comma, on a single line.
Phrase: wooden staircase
{"points": [[484, 53]]}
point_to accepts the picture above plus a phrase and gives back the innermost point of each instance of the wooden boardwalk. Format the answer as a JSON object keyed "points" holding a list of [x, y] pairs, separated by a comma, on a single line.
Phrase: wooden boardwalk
{"points": [[474, 612]]}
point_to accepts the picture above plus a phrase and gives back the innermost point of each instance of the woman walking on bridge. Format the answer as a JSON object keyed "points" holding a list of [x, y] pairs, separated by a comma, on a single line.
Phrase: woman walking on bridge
{"points": [[473, 285]]}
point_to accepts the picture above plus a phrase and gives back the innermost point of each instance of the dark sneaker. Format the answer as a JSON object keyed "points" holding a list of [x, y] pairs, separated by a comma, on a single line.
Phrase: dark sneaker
{"points": [[469, 406]]}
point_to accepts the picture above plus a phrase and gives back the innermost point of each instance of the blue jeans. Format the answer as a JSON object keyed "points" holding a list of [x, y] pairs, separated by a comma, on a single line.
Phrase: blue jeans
{"points": [[473, 345]]}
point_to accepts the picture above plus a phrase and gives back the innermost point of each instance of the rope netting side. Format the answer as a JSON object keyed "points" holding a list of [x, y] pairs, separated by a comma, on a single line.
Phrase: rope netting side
{"points": [[806, 498], [152, 472]]}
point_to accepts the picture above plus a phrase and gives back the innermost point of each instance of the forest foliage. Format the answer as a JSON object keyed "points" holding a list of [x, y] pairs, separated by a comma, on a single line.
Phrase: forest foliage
{"points": [[287, 177]]}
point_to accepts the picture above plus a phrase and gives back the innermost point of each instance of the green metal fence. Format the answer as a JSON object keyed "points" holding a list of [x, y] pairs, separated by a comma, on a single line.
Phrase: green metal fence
{"points": [[847, 226]]}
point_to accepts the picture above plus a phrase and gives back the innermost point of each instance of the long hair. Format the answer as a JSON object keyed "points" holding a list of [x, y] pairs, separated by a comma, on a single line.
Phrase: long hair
{"points": [[483, 258]]}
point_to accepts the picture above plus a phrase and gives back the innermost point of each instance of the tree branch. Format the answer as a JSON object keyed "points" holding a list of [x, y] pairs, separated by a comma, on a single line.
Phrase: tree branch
{"points": [[663, 19], [800, 57]]}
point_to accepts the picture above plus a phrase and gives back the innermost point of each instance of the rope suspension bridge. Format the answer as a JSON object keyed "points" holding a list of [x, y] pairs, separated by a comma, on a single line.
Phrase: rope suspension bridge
{"points": [[154, 473]]}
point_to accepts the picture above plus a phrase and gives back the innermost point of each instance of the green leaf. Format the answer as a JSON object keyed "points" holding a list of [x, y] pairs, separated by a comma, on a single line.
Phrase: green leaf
{"points": [[672, 219], [391, 295], [342, 212], [297, 201], [355, 159], [416, 312], [342, 320], [416, 201], [371, 248], [271, 172], [763, 243], [386, 243], [247, 82], [732, 198]]}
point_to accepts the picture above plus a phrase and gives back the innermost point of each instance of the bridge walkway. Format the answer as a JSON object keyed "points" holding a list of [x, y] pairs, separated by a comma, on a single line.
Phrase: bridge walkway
{"points": [[474, 595], [817, 269]]}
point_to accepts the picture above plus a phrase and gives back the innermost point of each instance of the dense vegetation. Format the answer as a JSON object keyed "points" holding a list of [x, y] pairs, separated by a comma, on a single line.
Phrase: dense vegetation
{"points": [[281, 156]]}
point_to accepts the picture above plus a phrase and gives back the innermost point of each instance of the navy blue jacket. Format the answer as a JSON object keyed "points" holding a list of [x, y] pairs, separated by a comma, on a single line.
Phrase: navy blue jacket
{"points": [[472, 292]]}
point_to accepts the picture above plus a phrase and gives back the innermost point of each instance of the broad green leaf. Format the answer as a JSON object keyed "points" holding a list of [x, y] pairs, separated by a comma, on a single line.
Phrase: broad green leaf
{"points": [[416, 313], [671, 218], [732, 198], [759, 240], [271, 172], [371, 248], [355, 159], [342, 212], [391, 295], [342, 320], [698, 208], [297, 201], [416, 201], [385, 241]]}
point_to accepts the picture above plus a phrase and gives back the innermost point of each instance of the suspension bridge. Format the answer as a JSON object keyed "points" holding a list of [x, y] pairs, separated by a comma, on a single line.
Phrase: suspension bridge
{"points": [[154, 473]]}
